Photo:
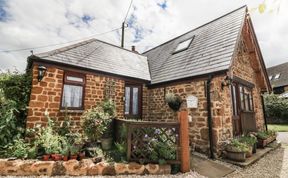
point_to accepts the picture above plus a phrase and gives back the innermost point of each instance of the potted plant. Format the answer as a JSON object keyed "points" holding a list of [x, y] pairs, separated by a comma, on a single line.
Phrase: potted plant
{"points": [[174, 102], [250, 141], [107, 139], [265, 137], [65, 152], [236, 150], [92, 126], [74, 152]]}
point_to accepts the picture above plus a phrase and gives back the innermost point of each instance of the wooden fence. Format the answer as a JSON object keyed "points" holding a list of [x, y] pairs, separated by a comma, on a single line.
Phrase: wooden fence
{"points": [[142, 138]]}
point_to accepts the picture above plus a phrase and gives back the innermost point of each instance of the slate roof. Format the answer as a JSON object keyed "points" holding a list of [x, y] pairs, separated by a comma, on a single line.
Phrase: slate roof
{"points": [[101, 56], [283, 70], [210, 51]]}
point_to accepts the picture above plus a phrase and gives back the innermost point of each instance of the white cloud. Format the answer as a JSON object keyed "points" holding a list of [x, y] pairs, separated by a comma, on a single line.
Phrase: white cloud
{"points": [[36, 23]]}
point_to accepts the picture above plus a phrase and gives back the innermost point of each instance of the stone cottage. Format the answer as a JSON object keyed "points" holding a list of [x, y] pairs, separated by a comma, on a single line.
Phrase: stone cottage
{"points": [[219, 64], [278, 76]]}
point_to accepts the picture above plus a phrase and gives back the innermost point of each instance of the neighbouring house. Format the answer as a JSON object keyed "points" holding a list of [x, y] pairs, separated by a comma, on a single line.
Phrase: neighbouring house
{"points": [[278, 76], [219, 63]]}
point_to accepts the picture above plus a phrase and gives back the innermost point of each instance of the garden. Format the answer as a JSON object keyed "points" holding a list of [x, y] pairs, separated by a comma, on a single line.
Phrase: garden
{"points": [[58, 149], [243, 147]]}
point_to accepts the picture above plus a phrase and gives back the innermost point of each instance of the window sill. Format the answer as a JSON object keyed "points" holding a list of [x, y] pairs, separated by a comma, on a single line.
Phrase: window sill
{"points": [[71, 111]]}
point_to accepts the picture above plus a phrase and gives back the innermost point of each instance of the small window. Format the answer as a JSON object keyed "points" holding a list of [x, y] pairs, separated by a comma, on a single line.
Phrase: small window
{"points": [[277, 76], [73, 91], [183, 45], [132, 100]]}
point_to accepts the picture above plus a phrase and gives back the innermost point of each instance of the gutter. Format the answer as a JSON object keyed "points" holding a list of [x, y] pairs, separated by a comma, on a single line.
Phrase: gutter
{"points": [[264, 112], [209, 113]]}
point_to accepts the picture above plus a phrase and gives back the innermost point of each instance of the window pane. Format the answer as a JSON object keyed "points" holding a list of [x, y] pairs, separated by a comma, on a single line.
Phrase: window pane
{"points": [[183, 45], [251, 101], [241, 97], [246, 102], [234, 100], [135, 101], [75, 79], [72, 96], [127, 100], [277, 76]]}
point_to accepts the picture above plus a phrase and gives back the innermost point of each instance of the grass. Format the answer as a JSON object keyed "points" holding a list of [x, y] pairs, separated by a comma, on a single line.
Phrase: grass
{"points": [[278, 127]]}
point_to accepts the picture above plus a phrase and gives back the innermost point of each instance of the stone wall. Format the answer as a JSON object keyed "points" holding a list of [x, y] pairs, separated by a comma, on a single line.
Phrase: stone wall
{"points": [[85, 167], [46, 96], [246, 66], [198, 125]]}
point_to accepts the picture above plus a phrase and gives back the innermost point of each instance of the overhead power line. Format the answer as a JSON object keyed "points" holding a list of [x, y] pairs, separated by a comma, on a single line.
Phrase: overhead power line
{"points": [[57, 44], [128, 11]]}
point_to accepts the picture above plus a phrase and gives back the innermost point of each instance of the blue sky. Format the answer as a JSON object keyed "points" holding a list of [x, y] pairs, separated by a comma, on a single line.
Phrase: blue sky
{"points": [[32, 23]]}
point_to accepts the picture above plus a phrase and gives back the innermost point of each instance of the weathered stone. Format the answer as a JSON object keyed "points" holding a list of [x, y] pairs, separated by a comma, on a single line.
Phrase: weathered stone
{"points": [[165, 169], [43, 168], [25, 167], [100, 166], [152, 168], [58, 169], [121, 168], [92, 170], [109, 170], [135, 168], [74, 168], [97, 159]]}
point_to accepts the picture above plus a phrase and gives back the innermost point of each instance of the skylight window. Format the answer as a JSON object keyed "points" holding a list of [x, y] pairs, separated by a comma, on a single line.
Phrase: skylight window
{"points": [[277, 76], [183, 45], [270, 77]]}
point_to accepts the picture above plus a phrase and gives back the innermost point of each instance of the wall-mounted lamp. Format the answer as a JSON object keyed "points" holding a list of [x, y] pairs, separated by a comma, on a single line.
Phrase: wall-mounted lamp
{"points": [[227, 81], [41, 72]]}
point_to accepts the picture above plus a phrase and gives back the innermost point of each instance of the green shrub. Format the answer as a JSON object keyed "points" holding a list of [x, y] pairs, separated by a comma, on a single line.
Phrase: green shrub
{"points": [[97, 122], [237, 146], [248, 140], [21, 149], [276, 107], [9, 126], [14, 97], [17, 87], [265, 134]]}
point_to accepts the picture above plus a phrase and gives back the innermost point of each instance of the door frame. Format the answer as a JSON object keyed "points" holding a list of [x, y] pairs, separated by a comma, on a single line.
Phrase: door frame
{"points": [[237, 120]]}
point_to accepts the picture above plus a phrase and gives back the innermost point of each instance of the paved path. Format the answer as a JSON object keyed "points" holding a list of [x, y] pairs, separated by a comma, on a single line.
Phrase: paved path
{"points": [[283, 137]]}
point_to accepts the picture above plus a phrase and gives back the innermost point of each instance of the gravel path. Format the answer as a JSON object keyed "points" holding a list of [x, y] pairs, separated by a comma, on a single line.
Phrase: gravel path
{"points": [[186, 175], [273, 165]]}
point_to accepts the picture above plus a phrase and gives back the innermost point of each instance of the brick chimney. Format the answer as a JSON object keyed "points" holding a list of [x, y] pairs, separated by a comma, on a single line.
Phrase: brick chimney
{"points": [[133, 49]]}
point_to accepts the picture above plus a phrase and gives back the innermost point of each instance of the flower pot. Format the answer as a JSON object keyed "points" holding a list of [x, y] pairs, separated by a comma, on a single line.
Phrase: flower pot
{"points": [[65, 158], [262, 143], [56, 157], [106, 143], [46, 157], [236, 156], [249, 152], [73, 156]]}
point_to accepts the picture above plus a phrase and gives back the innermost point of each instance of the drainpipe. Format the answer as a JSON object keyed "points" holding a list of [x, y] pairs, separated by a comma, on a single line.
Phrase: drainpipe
{"points": [[210, 125], [264, 112]]}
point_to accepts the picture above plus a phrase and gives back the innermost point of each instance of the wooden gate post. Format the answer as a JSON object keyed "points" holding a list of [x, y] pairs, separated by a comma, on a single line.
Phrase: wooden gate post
{"points": [[184, 141]]}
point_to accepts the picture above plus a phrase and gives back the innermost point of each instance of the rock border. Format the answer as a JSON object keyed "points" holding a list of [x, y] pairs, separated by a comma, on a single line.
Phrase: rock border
{"points": [[85, 167]]}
